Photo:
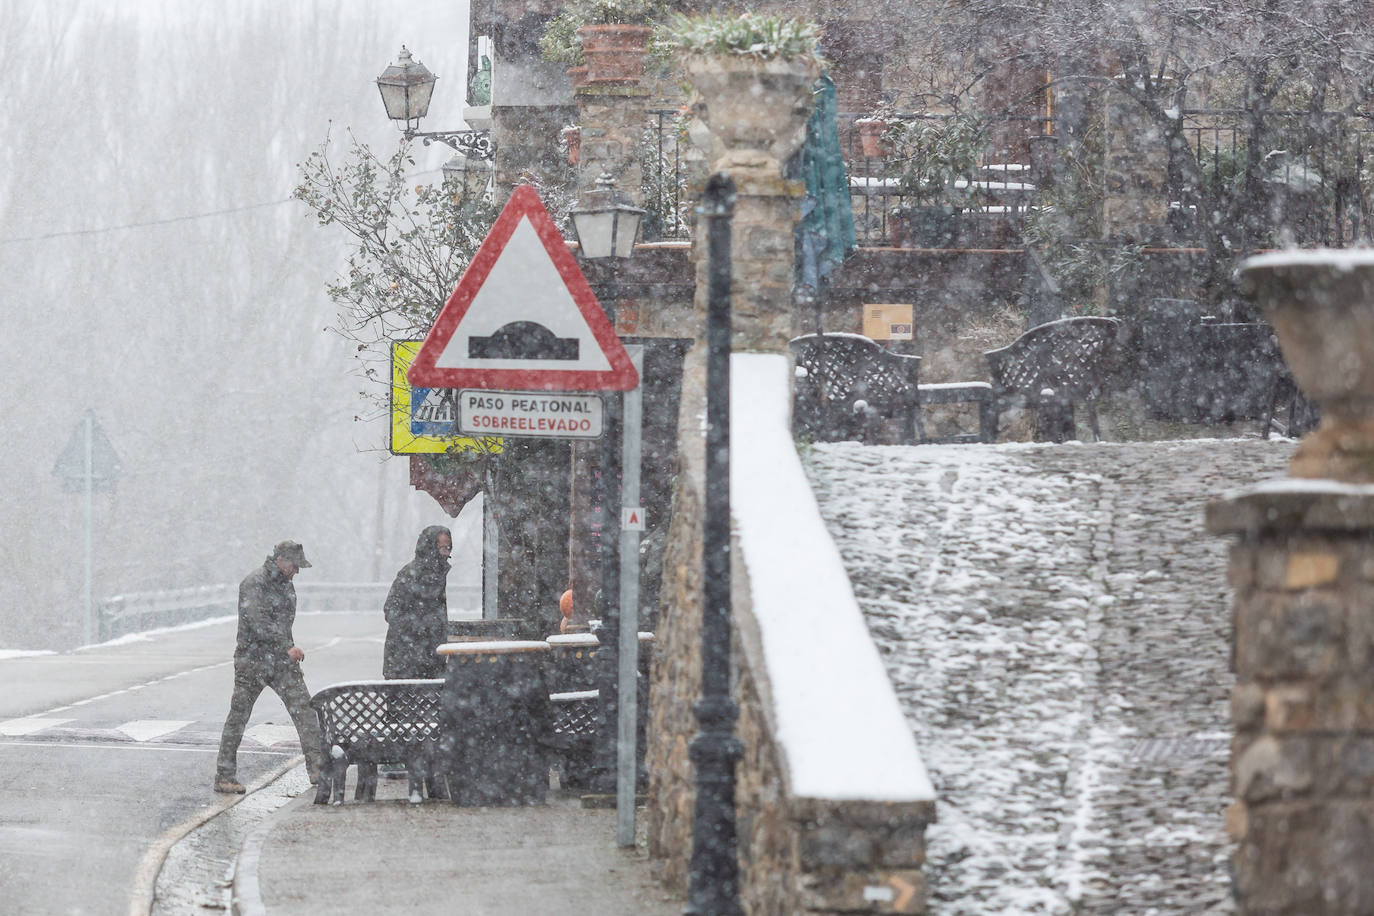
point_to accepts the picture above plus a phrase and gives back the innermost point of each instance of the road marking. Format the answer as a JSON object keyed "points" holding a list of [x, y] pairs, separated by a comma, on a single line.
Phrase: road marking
{"points": [[148, 729], [905, 892], [269, 735], [129, 746], [29, 724]]}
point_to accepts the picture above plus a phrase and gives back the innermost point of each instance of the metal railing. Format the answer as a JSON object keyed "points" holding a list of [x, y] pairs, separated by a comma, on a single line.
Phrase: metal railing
{"points": [[885, 217], [1315, 189], [1308, 184], [138, 612], [665, 181], [881, 213]]}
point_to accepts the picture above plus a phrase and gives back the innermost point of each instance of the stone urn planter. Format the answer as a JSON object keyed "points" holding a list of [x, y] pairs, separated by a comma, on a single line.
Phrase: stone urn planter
{"points": [[1321, 304], [614, 53], [756, 110]]}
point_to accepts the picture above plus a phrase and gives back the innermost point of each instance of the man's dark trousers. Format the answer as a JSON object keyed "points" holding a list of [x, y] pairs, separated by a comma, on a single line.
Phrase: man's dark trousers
{"points": [[251, 676]]}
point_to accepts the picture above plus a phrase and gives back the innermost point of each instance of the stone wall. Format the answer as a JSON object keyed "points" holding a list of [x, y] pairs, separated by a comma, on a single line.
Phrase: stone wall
{"points": [[1303, 705], [677, 649], [796, 855]]}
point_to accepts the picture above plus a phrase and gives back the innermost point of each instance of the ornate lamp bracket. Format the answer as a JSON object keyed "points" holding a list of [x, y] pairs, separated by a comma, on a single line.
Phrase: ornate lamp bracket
{"points": [[472, 143]]}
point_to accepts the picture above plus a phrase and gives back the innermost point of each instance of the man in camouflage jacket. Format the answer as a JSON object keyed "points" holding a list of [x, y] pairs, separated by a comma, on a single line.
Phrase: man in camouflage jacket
{"points": [[267, 656]]}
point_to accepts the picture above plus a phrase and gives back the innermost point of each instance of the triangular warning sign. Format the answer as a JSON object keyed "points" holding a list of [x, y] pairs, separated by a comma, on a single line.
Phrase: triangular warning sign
{"points": [[88, 444], [523, 316]]}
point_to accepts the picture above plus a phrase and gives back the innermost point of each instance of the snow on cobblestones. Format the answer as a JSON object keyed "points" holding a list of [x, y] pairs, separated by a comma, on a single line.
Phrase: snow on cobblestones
{"points": [[1055, 622]]}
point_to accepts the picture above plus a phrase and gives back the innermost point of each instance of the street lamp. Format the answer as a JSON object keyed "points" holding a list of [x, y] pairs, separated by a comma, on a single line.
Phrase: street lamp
{"points": [[406, 87], [468, 173], [606, 221]]}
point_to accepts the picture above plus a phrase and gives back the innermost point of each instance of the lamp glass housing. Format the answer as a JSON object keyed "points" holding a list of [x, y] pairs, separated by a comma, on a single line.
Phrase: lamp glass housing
{"points": [[470, 175], [406, 87], [604, 232]]}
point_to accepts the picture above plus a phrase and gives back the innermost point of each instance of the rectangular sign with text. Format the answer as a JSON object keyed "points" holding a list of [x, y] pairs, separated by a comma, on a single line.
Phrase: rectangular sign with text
{"points": [[529, 413]]}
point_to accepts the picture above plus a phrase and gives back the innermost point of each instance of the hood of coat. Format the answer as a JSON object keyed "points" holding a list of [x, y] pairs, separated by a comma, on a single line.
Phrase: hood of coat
{"points": [[427, 549]]}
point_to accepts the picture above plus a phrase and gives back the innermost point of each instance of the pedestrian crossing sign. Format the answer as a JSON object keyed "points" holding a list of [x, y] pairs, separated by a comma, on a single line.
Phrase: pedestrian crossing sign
{"points": [[424, 421]]}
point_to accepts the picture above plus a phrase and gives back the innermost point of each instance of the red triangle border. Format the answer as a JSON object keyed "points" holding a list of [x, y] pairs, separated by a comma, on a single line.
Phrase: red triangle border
{"points": [[524, 203]]}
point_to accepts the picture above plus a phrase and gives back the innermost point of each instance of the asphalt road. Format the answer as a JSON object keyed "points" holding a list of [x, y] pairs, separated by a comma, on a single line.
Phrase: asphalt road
{"points": [[107, 754]]}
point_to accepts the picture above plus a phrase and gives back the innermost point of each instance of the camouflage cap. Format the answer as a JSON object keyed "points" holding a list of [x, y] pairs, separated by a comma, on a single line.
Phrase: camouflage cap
{"points": [[292, 551]]}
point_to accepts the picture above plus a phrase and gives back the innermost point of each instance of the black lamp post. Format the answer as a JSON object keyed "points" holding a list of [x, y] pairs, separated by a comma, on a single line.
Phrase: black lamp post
{"points": [[606, 221], [713, 884], [406, 87]]}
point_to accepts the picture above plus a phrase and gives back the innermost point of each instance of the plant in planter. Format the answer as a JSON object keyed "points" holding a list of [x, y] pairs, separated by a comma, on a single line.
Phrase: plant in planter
{"points": [[559, 44], [753, 72], [753, 36], [935, 161], [608, 37]]}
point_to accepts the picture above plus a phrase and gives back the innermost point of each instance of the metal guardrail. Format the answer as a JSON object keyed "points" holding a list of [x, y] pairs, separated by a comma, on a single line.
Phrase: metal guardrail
{"points": [[137, 612]]}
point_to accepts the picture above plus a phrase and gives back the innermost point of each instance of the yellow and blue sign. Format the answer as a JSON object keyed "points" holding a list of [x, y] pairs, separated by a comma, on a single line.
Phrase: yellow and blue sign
{"points": [[424, 421]]}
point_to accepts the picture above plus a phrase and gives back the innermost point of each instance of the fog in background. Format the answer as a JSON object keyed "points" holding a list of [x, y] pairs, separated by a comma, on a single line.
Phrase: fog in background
{"points": [[154, 270]]}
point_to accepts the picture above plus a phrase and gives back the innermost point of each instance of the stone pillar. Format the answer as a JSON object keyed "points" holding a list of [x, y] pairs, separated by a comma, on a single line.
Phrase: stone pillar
{"points": [[1302, 759], [611, 119], [757, 117], [612, 123], [762, 252], [1137, 173]]}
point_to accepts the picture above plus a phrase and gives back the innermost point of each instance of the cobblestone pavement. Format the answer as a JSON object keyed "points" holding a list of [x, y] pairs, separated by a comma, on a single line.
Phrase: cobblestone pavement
{"points": [[1056, 623]]}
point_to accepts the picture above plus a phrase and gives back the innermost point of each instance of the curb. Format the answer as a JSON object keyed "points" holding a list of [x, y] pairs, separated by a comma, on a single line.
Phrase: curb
{"points": [[144, 891], [246, 897]]}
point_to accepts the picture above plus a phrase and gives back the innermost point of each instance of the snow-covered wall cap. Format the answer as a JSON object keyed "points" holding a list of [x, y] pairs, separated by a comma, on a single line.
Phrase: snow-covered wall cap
{"points": [[1343, 258], [841, 730], [1288, 505], [849, 335], [574, 696], [493, 647], [573, 639], [587, 639], [394, 682], [1318, 485]]}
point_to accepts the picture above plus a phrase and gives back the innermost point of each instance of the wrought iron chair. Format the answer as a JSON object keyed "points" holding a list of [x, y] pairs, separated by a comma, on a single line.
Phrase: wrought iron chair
{"points": [[1052, 367]]}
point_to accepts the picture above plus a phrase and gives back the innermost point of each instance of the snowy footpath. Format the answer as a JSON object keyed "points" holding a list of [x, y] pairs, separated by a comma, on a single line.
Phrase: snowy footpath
{"points": [[1056, 623]]}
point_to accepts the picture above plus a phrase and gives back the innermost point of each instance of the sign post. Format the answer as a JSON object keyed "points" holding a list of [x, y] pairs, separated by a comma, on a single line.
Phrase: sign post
{"points": [[87, 464], [523, 323], [632, 522]]}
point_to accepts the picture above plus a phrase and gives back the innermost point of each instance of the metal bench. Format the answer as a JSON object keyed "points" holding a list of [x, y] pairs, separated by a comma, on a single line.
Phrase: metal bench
{"points": [[847, 385], [1052, 367], [575, 717], [366, 723], [572, 680]]}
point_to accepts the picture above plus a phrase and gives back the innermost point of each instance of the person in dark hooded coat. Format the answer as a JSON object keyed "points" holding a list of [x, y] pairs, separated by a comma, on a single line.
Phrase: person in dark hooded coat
{"points": [[416, 609]]}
